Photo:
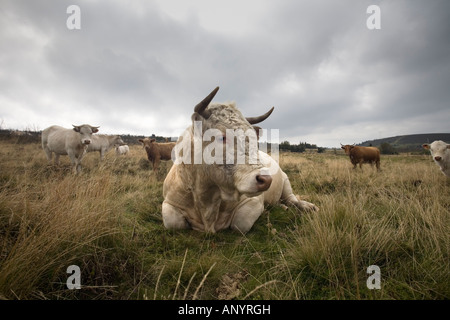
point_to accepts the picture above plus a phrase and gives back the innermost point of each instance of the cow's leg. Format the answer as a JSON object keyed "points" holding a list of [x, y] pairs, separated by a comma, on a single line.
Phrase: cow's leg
{"points": [[291, 199], [57, 159], [79, 158], [156, 164], [79, 166], [172, 217], [48, 153], [247, 213], [76, 166]]}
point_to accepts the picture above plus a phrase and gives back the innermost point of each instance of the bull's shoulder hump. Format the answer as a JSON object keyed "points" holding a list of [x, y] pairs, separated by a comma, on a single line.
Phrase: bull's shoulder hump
{"points": [[55, 127]]}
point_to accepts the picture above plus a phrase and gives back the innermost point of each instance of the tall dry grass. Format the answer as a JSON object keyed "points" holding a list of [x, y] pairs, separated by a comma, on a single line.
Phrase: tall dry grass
{"points": [[398, 220], [50, 219], [107, 221]]}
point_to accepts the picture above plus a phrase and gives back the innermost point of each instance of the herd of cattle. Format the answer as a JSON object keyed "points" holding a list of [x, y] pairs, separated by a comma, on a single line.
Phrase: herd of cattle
{"points": [[212, 197]]}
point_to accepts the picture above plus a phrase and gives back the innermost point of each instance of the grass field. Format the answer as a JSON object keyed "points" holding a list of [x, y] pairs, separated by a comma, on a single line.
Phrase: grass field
{"points": [[107, 221]]}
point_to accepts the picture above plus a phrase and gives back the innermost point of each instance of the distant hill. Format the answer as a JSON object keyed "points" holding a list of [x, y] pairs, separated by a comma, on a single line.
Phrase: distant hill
{"points": [[409, 143]]}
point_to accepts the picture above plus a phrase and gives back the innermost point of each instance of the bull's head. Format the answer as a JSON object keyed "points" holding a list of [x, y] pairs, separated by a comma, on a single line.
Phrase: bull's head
{"points": [[85, 132], [221, 124], [347, 148]]}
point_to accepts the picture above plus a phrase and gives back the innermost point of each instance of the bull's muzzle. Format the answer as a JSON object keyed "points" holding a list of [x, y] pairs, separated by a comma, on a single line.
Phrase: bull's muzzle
{"points": [[437, 158], [263, 182], [87, 141]]}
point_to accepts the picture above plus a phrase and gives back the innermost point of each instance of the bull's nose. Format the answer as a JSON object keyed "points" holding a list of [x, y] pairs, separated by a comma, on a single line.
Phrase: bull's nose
{"points": [[263, 182], [87, 141], [437, 158]]}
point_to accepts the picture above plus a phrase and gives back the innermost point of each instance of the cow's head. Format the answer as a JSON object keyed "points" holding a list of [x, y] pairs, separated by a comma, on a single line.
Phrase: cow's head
{"points": [[85, 132], [118, 141], [347, 148], [146, 142], [438, 149], [233, 138]]}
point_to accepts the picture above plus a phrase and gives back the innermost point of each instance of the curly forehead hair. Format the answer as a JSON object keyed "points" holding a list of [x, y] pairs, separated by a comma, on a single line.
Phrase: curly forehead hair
{"points": [[226, 115]]}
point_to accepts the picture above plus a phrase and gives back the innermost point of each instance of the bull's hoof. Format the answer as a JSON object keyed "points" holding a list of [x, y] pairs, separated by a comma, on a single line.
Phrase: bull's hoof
{"points": [[306, 206]]}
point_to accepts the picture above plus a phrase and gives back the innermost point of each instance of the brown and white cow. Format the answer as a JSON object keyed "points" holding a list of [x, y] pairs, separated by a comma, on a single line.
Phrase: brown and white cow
{"points": [[360, 155], [218, 195], [157, 151], [71, 142], [440, 152]]}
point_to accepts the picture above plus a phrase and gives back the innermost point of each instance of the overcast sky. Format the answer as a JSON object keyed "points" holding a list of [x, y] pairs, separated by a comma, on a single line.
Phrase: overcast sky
{"points": [[140, 67]]}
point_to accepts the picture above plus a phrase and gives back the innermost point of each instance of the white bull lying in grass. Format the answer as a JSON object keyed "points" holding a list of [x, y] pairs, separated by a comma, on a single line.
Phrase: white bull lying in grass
{"points": [[220, 195]]}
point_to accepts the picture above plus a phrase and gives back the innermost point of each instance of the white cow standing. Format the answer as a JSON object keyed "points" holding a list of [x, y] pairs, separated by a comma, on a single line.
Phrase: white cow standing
{"points": [[71, 142], [440, 152], [103, 143]]}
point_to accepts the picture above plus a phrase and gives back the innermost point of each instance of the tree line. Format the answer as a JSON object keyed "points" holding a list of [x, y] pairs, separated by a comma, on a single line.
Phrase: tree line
{"points": [[301, 147]]}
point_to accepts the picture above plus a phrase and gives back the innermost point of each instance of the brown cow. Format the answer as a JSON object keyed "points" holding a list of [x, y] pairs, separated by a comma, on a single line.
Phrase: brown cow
{"points": [[157, 151], [360, 155]]}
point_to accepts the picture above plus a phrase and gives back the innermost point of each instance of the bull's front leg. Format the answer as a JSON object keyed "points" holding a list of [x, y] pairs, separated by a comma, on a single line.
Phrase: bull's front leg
{"points": [[291, 199], [246, 214], [76, 157], [73, 160], [173, 218]]}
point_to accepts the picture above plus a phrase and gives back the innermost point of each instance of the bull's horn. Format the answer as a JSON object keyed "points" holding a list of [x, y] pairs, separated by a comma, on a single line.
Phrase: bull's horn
{"points": [[254, 120], [200, 108]]}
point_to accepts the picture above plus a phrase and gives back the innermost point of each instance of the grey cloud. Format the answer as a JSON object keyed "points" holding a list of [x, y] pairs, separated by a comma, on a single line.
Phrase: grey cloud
{"points": [[132, 66]]}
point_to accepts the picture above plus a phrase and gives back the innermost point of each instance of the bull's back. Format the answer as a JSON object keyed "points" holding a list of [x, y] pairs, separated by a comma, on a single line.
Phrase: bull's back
{"points": [[54, 139], [365, 154], [374, 153]]}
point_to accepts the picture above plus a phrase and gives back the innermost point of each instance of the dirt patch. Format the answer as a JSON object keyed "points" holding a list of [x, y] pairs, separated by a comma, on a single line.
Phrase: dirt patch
{"points": [[230, 284]]}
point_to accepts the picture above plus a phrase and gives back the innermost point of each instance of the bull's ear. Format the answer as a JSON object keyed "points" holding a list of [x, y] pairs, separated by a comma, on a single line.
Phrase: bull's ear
{"points": [[258, 132], [448, 146], [152, 140], [76, 128], [196, 117], [95, 129], [426, 146], [141, 141]]}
